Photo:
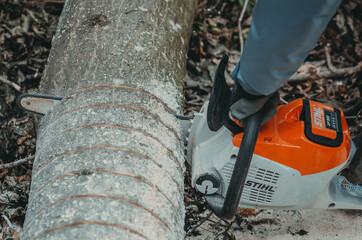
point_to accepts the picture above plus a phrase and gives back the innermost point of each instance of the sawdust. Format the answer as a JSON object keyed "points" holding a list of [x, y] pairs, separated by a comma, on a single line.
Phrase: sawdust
{"points": [[290, 225]]}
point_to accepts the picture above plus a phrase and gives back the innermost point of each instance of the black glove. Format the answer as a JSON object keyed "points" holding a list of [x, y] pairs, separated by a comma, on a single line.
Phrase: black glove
{"points": [[244, 104]]}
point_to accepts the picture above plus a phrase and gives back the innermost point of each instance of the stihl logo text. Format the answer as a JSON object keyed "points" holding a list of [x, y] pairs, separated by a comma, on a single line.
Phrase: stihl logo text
{"points": [[317, 112], [259, 186]]}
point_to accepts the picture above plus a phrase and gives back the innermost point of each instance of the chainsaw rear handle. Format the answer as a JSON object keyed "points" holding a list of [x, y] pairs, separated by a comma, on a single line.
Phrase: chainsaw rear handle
{"points": [[226, 207]]}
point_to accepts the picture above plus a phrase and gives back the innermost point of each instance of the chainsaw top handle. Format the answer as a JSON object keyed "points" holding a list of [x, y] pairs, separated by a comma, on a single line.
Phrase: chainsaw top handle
{"points": [[218, 116]]}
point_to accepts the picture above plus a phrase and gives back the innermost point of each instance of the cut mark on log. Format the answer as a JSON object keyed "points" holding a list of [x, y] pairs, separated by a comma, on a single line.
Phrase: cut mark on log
{"points": [[113, 105], [125, 87], [138, 178], [91, 223], [119, 127], [100, 196], [111, 148], [75, 173]]}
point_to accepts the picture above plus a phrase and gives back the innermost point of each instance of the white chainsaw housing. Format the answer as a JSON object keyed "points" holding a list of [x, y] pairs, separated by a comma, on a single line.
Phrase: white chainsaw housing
{"points": [[269, 185]]}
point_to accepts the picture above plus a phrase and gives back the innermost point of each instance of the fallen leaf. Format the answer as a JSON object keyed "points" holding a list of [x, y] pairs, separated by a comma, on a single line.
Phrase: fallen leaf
{"points": [[4, 173], [22, 178], [247, 212], [22, 139]]}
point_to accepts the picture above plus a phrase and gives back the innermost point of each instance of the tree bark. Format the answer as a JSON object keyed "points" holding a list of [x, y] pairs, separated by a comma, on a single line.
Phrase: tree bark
{"points": [[109, 161]]}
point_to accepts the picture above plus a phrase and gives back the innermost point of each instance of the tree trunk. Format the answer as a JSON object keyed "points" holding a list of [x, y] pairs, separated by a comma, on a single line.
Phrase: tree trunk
{"points": [[109, 159]]}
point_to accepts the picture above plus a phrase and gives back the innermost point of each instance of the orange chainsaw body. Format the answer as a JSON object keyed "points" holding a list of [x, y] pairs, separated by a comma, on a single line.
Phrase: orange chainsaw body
{"points": [[307, 136]]}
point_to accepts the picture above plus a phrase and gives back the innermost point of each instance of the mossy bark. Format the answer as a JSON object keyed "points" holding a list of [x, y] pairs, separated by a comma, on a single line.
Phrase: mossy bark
{"points": [[109, 159]]}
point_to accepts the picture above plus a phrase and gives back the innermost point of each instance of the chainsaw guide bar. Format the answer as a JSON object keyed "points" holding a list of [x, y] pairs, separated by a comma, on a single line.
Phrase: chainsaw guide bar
{"points": [[37, 103], [41, 104]]}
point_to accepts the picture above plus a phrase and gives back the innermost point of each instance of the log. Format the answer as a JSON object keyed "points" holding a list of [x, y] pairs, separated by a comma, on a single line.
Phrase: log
{"points": [[109, 161]]}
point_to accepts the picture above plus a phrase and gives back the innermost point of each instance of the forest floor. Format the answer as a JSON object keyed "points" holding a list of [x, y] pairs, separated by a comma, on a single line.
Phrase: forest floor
{"points": [[26, 30]]}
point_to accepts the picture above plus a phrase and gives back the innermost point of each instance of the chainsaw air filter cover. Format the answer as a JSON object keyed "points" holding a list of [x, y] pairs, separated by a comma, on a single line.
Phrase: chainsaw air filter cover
{"points": [[307, 136]]}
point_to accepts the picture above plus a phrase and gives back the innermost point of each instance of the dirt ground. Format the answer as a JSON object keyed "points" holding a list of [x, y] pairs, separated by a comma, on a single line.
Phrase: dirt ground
{"points": [[284, 225], [26, 30]]}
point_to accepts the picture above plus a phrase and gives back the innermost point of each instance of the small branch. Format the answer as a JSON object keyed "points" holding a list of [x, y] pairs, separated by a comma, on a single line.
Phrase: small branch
{"points": [[328, 57], [353, 110], [194, 103], [200, 7], [4, 80], [283, 100], [16, 163], [226, 230], [35, 75], [200, 223], [7, 221], [3, 174], [216, 4], [300, 78], [239, 26], [36, 2]]}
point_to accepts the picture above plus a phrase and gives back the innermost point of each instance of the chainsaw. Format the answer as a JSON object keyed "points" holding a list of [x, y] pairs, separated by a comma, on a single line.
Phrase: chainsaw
{"points": [[292, 162]]}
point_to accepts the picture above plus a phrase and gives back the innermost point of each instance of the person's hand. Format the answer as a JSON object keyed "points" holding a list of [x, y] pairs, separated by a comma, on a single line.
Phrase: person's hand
{"points": [[244, 105]]}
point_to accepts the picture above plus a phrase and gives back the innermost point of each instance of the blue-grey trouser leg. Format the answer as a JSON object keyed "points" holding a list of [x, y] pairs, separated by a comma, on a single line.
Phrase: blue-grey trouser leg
{"points": [[281, 35]]}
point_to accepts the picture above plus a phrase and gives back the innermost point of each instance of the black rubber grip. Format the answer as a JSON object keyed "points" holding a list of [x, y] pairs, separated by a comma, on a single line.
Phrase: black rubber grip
{"points": [[226, 208]]}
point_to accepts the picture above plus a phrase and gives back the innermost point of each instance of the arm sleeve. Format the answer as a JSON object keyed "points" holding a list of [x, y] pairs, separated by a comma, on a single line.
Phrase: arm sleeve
{"points": [[281, 35]]}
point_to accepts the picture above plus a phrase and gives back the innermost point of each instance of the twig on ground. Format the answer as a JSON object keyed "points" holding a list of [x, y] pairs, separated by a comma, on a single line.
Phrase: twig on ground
{"points": [[328, 57], [300, 78], [239, 26], [283, 100], [225, 231], [200, 7], [3, 233], [10, 225], [35, 75], [194, 103], [353, 110], [214, 222], [351, 117], [207, 230], [4, 80], [16, 163], [358, 114], [216, 4], [36, 2], [200, 223], [4, 173]]}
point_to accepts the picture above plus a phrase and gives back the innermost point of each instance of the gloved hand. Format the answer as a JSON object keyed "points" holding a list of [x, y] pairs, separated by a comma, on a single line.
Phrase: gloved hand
{"points": [[243, 104]]}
